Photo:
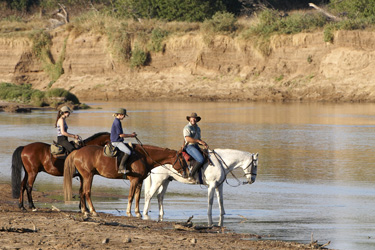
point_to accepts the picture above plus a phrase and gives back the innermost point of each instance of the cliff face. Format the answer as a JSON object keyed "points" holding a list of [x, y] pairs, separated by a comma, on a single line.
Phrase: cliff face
{"points": [[299, 67]]}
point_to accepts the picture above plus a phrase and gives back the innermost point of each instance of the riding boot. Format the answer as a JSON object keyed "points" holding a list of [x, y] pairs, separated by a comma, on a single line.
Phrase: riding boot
{"points": [[122, 167], [196, 167]]}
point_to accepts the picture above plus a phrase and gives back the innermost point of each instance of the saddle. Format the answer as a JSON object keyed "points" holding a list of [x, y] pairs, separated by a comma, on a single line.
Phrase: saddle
{"points": [[111, 151], [59, 151]]}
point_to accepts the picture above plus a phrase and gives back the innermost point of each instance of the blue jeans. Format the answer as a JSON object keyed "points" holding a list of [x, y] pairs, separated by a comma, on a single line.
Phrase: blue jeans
{"points": [[193, 151]]}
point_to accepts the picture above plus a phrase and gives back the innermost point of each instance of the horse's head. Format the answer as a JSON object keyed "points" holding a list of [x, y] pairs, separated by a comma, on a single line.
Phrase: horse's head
{"points": [[180, 160], [251, 169]]}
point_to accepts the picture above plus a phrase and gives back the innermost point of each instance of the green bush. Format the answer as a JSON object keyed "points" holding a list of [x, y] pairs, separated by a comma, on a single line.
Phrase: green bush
{"points": [[21, 93], [272, 22], [170, 10], [220, 22], [58, 92], [138, 58], [157, 37], [42, 42], [353, 9]]}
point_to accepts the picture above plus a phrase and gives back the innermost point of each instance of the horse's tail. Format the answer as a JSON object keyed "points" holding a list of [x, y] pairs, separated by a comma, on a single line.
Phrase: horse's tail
{"points": [[69, 169], [17, 166]]}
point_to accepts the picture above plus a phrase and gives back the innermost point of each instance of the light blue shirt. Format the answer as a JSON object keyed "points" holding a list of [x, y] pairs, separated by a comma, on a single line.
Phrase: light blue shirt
{"points": [[192, 131]]}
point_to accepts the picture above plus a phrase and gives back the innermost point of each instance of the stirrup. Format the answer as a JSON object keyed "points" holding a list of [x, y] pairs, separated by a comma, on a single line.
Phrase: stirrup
{"points": [[123, 171]]}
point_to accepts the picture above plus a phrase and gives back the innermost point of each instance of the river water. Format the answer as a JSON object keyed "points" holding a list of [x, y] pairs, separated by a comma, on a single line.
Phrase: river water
{"points": [[316, 164]]}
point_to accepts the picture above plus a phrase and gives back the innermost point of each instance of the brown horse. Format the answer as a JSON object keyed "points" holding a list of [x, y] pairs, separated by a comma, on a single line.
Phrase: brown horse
{"points": [[37, 157], [90, 161]]}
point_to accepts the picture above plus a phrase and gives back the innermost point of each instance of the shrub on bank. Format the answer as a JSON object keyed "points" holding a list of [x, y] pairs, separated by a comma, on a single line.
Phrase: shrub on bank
{"points": [[24, 93]]}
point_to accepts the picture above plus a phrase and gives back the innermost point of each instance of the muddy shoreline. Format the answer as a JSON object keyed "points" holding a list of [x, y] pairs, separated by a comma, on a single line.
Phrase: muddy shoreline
{"points": [[52, 228]]}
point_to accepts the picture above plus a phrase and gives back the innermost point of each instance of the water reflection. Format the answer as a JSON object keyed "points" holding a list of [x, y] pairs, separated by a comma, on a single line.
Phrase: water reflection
{"points": [[315, 171]]}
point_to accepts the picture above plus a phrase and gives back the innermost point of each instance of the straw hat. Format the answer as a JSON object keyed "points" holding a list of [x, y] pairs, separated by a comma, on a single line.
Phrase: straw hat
{"points": [[66, 109], [193, 115]]}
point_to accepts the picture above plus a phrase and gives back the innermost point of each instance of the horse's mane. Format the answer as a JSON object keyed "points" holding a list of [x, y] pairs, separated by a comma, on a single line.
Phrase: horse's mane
{"points": [[95, 136], [151, 147]]}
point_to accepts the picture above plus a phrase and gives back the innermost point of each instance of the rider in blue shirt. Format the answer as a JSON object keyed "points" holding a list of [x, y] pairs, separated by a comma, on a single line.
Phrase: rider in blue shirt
{"points": [[117, 139]]}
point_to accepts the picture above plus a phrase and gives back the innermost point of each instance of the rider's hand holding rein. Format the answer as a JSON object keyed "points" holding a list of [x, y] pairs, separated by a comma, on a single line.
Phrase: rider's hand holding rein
{"points": [[134, 134], [190, 139], [203, 143]]}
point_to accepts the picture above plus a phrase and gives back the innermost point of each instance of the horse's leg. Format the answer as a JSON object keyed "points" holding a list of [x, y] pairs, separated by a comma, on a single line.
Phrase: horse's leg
{"points": [[22, 190], [29, 188], [162, 191], [133, 186], [219, 195], [211, 189], [150, 191], [137, 197], [82, 199], [86, 193]]}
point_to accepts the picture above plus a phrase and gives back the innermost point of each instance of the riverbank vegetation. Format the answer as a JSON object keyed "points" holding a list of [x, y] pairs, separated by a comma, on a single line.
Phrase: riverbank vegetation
{"points": [[137, 29], [25, 94], [149, 22]]}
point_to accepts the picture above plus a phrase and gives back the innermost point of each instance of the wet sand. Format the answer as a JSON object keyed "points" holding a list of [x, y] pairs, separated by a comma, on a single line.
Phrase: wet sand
{"points": [[52, 228]]}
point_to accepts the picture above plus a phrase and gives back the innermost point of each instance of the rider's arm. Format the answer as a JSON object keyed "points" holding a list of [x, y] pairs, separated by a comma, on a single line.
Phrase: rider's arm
{"points": [[192, 140], [62, 128], [128, 135]]}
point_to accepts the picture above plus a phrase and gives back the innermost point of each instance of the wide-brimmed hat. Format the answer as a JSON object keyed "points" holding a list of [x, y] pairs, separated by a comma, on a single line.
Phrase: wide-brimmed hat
{"points": [[121, 111], [193, 115], [66, 109]]}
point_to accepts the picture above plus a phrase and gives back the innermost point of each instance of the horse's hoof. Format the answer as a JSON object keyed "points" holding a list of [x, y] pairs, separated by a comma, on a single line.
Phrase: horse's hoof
{"points": [[95, 214], [129, 214], [139, 215], [146, 217], [34, 209]]}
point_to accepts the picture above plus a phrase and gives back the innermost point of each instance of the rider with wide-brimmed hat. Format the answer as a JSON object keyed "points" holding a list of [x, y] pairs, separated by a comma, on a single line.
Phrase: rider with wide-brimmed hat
{"points": [[117, 138], [192, 135], [62, 129]]}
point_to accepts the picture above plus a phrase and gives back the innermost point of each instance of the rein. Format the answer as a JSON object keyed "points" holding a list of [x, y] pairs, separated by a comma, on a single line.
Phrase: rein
{"points": [[231, 171], [225, 179], [148, 155]]}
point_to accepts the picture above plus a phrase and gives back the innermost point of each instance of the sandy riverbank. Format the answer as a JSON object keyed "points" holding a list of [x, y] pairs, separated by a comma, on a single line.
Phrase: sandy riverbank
{"points": [[49, 228]]}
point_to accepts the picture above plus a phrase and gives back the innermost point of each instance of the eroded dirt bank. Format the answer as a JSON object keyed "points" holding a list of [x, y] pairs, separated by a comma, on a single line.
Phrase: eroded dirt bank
{"points": [[299, 67]]}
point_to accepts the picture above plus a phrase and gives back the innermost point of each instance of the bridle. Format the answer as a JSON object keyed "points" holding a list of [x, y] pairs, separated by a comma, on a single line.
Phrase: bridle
{"points": [[252, 169], [182, 163]]}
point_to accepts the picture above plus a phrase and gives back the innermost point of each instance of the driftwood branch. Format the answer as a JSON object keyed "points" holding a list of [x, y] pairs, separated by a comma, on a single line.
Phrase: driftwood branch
{"points": [[314, 243], [61, 13], [188, 226], [329, 15], [65, 16]]}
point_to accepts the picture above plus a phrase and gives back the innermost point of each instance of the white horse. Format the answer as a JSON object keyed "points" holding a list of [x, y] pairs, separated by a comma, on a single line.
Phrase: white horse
{"points": [[223, 161]]}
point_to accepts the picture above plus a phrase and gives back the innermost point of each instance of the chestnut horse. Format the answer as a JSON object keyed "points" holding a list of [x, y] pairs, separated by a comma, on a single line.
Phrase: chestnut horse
{"points": [[90, 161], [37, 157]]}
